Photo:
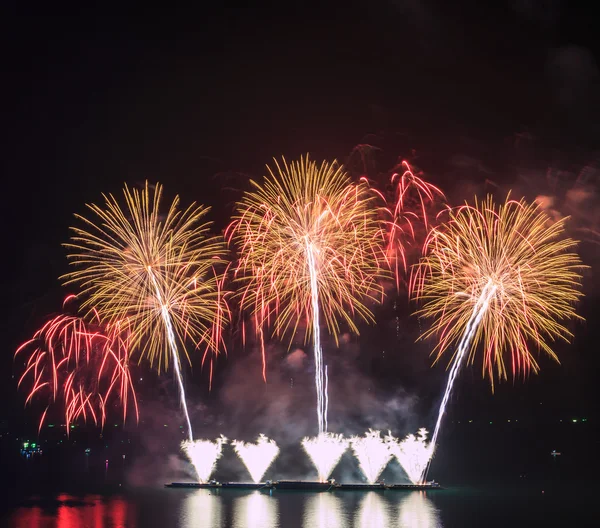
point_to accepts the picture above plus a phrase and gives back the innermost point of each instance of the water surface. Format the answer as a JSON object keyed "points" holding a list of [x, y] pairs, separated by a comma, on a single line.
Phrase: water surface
{"points": [[134, 508]]}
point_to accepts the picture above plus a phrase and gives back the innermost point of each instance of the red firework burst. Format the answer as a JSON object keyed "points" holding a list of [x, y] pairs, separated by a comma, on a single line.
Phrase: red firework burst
{"points": [[74, 364]]}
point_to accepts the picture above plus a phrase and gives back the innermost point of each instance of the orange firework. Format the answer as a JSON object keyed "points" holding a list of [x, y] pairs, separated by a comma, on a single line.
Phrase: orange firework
{"points": [[502, 277], [305, 214], [311, 247], [153, 274], [76, 365]]}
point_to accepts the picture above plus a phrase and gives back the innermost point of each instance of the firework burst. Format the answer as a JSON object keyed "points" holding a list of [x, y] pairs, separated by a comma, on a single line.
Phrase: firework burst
{"points": [[503, 278], [77, 366], [512, 262], [310, 248], [151, 274], [407, 213]]}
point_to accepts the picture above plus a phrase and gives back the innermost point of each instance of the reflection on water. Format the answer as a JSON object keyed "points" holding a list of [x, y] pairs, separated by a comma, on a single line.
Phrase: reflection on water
{"points": [[173, 508], [217, 508], [417, 511], [201, 507], [256, 510], [66, 511], [323, 510], [372, 512]]}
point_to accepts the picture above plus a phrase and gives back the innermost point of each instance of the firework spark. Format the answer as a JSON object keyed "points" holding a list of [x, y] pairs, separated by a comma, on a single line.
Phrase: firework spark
{"points": [[410, 202], [501, 277], [325, 451], [310, 247], [153, 274], [413, 198], [257, 457], [372, 452], [76, 365], [413, 454], [203, 454]]}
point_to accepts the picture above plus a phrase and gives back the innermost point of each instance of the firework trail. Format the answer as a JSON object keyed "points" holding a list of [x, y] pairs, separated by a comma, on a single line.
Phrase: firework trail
{"points": [[310, 248], [154, 275], [203, 454], [325, 451], [501, 277], [257, 457], [372, 452], [164, 309], [76, 365]]}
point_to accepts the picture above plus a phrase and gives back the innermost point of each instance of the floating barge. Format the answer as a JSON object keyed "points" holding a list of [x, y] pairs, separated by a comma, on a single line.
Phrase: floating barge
{"points": [[415, 487], [194, 485], [305, 485], [247, 485], [360, 487], [213, 484]]}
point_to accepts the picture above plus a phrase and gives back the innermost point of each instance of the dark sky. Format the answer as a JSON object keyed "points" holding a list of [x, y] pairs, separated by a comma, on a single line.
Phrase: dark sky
{"points": [[198, 100]]}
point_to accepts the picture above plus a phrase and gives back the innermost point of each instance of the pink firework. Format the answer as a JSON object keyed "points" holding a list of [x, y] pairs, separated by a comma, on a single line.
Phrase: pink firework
{"points": [[74, 364]]}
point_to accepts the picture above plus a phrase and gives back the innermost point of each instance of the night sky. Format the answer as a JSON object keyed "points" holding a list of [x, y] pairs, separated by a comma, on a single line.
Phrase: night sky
{"points": [[203, 100]]}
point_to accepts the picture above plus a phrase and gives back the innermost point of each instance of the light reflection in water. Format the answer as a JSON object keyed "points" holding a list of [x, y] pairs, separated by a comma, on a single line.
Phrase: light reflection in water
{"points": [[323, 510], [30, 517], [417, 511], [217, 508], [91, 511], [202, 507], [256, 510], [372, 512]]}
